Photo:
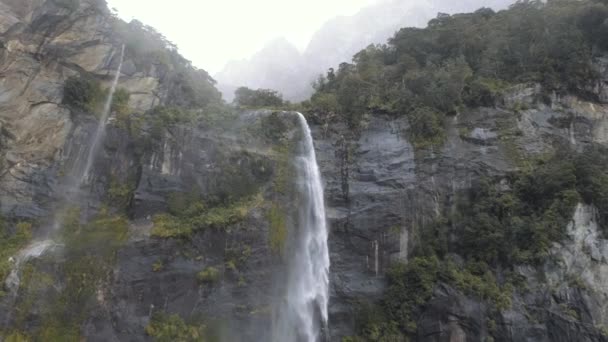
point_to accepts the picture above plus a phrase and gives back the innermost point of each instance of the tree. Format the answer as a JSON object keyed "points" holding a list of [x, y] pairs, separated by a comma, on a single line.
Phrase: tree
{"points": [[259, 98]]}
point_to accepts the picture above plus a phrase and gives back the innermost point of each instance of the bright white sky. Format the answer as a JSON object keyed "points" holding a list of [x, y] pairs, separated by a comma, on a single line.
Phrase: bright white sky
{"points": [[212, 32]]}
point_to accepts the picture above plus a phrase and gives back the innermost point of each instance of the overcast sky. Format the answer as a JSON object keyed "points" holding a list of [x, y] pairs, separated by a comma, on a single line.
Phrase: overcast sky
{"points": [[212, 32]]}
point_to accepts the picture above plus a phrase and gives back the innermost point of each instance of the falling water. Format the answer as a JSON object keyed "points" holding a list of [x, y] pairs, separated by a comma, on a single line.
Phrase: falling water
{"points": [[101, 126], [303, 315], [38, 248], [34, 250]]}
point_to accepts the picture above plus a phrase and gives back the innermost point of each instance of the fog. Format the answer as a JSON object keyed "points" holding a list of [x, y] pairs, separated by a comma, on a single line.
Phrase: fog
{"points": [[282, 45], [280, 66], [213, 32]]}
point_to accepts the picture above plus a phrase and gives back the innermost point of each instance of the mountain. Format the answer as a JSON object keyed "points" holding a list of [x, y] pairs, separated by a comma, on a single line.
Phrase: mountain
{"points": [[336, 41], [464, 186], [276, 66]]}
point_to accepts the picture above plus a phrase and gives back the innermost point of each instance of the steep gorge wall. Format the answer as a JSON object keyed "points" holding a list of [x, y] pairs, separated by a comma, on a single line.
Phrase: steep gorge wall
{"points": [[389, 193], [380, 193]]}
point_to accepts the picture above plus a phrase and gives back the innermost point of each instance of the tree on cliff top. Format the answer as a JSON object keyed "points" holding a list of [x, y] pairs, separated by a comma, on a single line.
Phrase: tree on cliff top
{"points": [[258, 98]]}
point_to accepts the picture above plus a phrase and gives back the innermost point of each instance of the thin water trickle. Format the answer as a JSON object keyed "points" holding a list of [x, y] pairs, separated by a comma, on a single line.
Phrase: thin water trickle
{"points": [[101, 126], [303, 317], [38, 248]]}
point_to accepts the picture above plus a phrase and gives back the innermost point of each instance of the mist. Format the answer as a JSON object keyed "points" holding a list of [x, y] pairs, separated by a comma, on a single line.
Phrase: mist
{"points": [[282, 66]]}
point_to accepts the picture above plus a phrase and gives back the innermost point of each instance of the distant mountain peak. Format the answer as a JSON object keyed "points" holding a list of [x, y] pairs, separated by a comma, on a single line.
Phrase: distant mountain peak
{"points": [[279, 65]]}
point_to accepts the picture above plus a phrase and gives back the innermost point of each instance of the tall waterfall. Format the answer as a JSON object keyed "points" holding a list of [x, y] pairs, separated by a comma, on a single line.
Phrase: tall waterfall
{"points": [[101, 126], [303, 315]]}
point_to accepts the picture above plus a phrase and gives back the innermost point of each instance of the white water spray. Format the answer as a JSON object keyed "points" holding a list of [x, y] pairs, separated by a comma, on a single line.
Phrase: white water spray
{"points": [[303, 316], [101, 127], [34, 250]]}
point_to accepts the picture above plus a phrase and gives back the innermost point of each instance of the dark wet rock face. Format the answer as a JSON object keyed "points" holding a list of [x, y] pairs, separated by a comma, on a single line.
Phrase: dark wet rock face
{"points": [[228, 272], [392, 191]]}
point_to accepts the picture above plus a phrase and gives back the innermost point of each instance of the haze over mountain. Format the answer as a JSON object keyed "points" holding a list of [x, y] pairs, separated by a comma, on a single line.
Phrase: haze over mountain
{"points": [[280, 66], [451, 185]]}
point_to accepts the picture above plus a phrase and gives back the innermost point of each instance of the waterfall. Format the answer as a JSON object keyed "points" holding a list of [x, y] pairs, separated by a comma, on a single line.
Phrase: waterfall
{"points": [[101, 126], [38, 247], [303, 314]]}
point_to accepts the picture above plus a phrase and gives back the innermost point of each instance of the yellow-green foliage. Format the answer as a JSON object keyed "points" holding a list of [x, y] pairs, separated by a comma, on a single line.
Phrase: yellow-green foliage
{"points": [[120, 102], [198, 217], [157, 266], [284, 173], [569, 311], [171, 328], [59, 331], [120, 106], [11, 243], [479, 281], [32, 283], [16, 337], [209, 275], [180, 203], [167, 226], [236, 257], [119, 193], [87, 264], [111, 230], [283, 186], [278, 228]]}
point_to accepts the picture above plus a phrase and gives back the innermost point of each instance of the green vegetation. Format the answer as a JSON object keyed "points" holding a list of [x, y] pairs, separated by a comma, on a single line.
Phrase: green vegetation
{"points": [[496, 225], [12, 240], [158, 266], [410, 286], [199, 216], [209, 275], [190, 87], [171, 328], [236, 258], [426, 127], [274, 128], [119, 193], [120, 101], [283, 188], [259, 98], [86, 94], [16, 337], [278, 228], [83, 93], [520, 224], [86, 266], [467, 60], [476, 279]]}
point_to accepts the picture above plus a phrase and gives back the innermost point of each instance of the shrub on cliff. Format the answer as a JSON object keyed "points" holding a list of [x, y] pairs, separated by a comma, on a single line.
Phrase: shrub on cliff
{"points": [[170, 328], [86, 94], [209, 275], [82, 93]]}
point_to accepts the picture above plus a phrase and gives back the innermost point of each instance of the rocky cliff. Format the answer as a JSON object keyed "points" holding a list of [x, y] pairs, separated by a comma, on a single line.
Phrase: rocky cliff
{"points": [[381, 193], [188, 210]]}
